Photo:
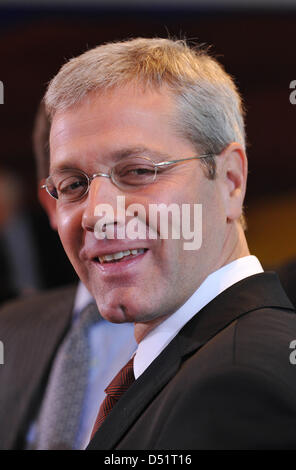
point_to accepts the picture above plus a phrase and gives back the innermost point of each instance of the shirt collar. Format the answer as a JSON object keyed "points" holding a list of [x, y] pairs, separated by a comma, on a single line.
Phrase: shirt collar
{"points": [[158, 338], [82, 299]]}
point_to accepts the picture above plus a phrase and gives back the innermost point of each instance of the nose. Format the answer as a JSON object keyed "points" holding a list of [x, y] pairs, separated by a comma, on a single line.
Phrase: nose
{"points": [[101, 192]]}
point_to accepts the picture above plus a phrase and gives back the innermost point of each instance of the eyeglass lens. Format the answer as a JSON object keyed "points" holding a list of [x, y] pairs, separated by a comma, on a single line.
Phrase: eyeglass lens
{"points": [[71, 185]]}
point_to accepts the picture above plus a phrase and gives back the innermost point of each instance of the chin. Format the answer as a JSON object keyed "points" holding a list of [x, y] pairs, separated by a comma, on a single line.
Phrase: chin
{"points": [[121, 310], [114, 312]]}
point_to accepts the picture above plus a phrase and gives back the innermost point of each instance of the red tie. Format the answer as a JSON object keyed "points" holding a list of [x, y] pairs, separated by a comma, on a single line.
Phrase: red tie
{"points": [[115, 389]]}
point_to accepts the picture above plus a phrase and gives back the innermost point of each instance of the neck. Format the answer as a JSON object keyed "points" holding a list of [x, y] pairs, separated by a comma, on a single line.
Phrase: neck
{"points": [[235, 247], [142, 329]]}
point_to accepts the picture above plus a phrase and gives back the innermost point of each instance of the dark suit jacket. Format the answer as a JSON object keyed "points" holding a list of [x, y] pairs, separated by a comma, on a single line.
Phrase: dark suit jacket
{"points": [[224, 382], [287, 275], [31, 331]]}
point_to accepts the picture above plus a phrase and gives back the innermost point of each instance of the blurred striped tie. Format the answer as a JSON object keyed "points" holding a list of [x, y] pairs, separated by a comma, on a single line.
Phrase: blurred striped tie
{"points": [[60, 414]]}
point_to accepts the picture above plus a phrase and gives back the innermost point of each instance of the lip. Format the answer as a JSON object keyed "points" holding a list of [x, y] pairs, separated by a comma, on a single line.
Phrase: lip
{"points": [[120, 267], [109, 247]]}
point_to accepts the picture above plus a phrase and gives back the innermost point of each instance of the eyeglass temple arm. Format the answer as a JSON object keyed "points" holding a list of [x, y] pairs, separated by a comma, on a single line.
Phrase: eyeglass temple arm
{"points": [[184, 159]]}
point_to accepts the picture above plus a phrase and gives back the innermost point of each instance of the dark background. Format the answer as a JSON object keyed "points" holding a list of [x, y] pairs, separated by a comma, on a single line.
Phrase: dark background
{"points": [[257, 47]]}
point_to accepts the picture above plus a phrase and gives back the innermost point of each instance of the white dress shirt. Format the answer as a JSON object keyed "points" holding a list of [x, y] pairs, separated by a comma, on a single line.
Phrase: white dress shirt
{"points": [[158, 338]]}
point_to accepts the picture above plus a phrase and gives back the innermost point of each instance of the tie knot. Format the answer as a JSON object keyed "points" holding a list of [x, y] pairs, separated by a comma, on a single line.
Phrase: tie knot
{"points": [[122, 380]]}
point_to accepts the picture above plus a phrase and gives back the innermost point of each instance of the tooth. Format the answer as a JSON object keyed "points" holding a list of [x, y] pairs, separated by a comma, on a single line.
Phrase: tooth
{"points": [[108, 257], [118, 255]]}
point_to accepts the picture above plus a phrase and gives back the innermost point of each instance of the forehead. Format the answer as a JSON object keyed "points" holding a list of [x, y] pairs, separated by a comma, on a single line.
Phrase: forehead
{"points": [[106, 122], [111, 108]]}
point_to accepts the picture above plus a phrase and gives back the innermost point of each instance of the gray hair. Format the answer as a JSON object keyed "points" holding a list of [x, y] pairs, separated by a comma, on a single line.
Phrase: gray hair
{"points": [[40, 137]]}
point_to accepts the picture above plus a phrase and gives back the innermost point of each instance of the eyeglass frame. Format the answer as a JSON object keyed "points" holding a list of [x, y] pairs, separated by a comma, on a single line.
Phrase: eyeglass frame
{"points": [[110, 175]]}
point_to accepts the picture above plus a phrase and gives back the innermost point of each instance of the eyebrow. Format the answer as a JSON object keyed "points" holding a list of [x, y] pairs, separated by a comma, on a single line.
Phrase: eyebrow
{"points": [[138, 151], [120, 154]]}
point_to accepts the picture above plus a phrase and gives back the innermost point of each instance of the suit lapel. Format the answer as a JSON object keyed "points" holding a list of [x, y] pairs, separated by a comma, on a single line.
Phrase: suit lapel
{"points": [[136, 399], [258, 291], [252, 293]]}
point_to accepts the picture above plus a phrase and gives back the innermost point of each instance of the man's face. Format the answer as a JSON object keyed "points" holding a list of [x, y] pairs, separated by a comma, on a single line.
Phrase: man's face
{"points": [[92, 137]]}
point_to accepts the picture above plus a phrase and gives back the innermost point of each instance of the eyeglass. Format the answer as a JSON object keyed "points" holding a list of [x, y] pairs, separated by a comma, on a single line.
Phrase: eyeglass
{"points": [[70, 185]]}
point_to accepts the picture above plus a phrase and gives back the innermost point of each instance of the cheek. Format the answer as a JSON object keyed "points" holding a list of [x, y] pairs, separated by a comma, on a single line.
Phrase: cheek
{"points": [[69, 229]]}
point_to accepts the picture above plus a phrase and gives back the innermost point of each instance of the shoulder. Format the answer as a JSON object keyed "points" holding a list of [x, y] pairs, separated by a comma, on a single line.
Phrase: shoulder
{"points": [[31, 328], [255, 349], [261, 341], [42, 306], [238, 389]]}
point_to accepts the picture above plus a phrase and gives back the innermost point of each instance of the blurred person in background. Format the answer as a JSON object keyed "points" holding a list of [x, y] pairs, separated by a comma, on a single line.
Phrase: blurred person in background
{"points": [[59, 352], [19, 274]]}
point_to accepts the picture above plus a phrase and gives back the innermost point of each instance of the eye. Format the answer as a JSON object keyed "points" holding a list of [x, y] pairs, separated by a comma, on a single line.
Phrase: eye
{"points": [[139, 170], [134, 172], [72, 186]]}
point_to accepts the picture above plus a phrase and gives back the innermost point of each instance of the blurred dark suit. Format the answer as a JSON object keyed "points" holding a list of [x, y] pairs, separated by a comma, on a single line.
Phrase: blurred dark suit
{"points": [[31, 330]]}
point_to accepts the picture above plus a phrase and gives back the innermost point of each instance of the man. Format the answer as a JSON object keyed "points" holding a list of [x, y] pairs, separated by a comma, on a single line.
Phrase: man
{"points": [[34, 333], [147, 122]]}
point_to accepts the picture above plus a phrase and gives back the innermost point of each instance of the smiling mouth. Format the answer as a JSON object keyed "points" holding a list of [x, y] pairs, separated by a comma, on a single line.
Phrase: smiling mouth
{"points": [[120, 256]]}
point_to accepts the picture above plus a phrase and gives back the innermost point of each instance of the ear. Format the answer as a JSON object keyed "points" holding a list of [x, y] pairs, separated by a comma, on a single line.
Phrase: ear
{"points": [[48, 203], [233, 179]]}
